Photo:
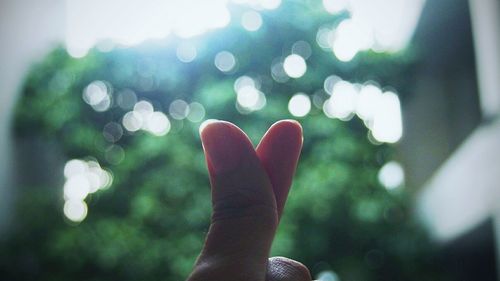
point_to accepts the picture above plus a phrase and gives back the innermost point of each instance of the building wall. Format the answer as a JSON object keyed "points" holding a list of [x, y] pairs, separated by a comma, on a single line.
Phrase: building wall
{"points": [[443, 108], [28, 30], [457, 171]]}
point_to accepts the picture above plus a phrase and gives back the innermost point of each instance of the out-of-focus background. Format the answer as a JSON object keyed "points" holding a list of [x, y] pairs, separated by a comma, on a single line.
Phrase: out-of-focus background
{"points": [[102, 174]]}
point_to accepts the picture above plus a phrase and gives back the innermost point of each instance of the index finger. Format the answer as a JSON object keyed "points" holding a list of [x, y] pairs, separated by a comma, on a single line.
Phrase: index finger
{"points": [[279, 151]]}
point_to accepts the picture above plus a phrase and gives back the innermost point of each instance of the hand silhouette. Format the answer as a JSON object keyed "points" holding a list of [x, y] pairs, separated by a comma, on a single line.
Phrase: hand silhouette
{"points": [[249, 190]]}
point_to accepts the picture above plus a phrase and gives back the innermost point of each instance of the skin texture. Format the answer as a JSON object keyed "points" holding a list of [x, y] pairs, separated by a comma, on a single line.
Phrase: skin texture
{"points": [[249, 191]]}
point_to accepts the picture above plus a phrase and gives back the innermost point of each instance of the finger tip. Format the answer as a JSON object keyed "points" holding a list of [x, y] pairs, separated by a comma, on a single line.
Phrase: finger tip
{"points": [[289, 122], [289, 128], [217, 129], [213, 129], [206, 124], [224, 144]]}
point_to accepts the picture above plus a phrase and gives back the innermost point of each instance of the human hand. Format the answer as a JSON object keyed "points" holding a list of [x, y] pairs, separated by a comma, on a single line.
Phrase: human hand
{"points": [[249, 190]]}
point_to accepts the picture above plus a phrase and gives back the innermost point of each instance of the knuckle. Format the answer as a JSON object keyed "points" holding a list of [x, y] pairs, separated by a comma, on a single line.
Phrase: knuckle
{"points": [[240, 206]]}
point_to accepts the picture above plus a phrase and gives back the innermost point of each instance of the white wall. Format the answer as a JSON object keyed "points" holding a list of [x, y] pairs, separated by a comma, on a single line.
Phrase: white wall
{"points": [[28, 30], [485, 16], [465, 191]]}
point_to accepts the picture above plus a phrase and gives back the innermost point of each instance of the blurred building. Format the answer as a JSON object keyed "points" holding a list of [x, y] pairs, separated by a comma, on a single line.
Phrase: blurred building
{"points": [[28, 31], [452, 133]]}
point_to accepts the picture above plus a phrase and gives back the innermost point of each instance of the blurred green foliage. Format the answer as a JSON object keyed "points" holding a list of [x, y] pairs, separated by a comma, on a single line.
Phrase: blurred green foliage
{"points": [[150, 224]]}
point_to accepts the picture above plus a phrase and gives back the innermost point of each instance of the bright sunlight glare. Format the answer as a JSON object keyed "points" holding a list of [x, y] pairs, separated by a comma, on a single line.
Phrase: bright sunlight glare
{"points": [[380, 25], [131, 22]]}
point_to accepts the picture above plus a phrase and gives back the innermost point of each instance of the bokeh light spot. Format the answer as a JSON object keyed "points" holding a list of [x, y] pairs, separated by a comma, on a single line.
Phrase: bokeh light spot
{"points": [[97, 95], [114, 154], [196, 112], [295, 66], [112, 132], [327, 275], [251, 20], [387, 120], [330, 82], [278, 72], [248, 96], [75, 210], [158, 124], [391, 175], [74, 167], [186, 52], [302, 48], [126, 99], [335, 6], [324, 37], [143, 108], [299, 105], [178, 109], [225, 61], [132, 121], [76, 187], [244, 81], [342, 102], [368, 102], [345, 46]]}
